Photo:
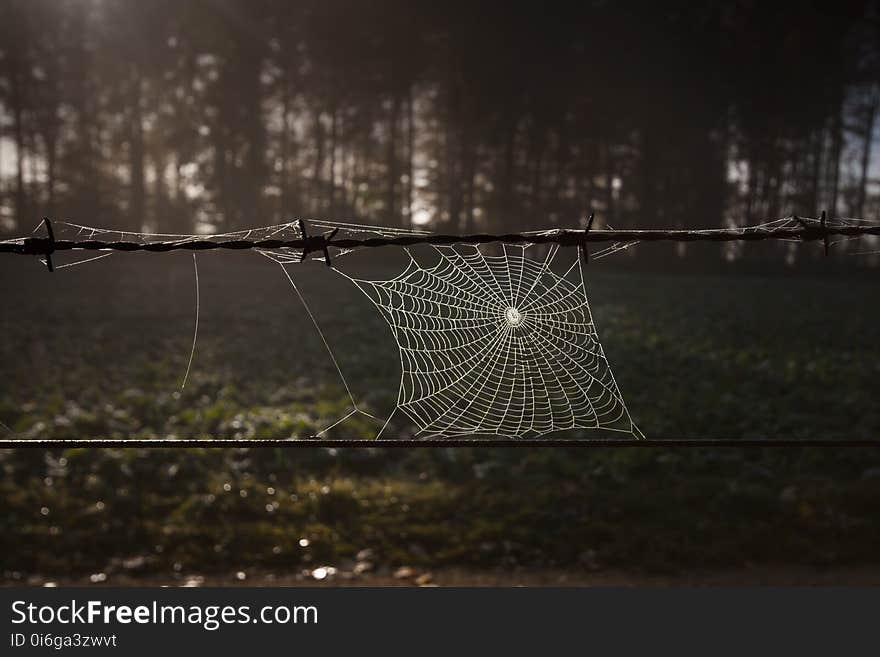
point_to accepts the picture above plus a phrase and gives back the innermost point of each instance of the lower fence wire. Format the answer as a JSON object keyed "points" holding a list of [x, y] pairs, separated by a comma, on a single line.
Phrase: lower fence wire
{"points": [[365, 443]]}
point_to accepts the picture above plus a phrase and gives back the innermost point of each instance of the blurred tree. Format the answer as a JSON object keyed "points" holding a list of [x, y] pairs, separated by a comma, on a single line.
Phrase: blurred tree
{"points": [[470, 116]]}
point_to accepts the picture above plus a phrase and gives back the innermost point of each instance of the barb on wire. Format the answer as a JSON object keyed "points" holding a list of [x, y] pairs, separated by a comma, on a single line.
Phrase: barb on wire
{"points": [[314, 243], [44, 246], [583, 245], [824, 232]]}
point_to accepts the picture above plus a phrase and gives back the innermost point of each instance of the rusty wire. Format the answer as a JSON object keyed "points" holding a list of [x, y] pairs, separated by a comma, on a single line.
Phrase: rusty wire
{"points": [[46, 246]]}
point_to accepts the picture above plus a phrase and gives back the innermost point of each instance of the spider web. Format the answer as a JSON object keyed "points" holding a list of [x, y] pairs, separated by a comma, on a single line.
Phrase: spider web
{"points": [[498, 345], [544, 393]]}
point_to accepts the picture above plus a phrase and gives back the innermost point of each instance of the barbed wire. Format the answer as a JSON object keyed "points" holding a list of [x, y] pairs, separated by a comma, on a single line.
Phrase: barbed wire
{"points": [[807, 231]]}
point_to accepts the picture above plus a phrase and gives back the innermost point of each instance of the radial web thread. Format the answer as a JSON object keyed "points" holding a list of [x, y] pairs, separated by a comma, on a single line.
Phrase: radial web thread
{"points": [[498, 345]]}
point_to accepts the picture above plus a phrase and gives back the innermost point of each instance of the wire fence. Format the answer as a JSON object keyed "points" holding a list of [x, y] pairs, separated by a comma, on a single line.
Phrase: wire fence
{"points": [[809, 231]]}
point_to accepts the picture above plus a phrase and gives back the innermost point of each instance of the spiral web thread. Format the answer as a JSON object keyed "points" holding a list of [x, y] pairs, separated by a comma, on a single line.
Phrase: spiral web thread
{"points": [[498, 345]]}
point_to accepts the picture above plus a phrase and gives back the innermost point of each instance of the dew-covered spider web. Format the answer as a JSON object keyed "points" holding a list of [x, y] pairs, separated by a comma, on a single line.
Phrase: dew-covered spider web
{"points": [[498, 345]]}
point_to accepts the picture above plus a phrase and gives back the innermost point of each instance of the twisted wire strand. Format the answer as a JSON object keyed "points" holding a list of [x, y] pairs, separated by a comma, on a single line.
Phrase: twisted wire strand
{"points": [[563, 237]]}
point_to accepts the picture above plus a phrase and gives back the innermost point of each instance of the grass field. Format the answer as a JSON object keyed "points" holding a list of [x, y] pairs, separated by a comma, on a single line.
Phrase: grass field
{"points": [[100, 350]]}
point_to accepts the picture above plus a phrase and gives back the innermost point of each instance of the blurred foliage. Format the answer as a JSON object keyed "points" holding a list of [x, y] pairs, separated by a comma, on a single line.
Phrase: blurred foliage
{"points": [[139, 512]]}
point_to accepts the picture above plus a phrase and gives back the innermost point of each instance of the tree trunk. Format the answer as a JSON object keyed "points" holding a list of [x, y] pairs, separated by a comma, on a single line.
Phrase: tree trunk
{"points": [[391, 164], [867, 141], [17, 101], [161, 205], [535, 159], [818, 139], [610, 210], [331, 187], [836, 151], [506, 204], [410, 156], [648, 211], [283, 182], [51, 173], [471, 174], [319, 163], [136, 155], [221, 174]]}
